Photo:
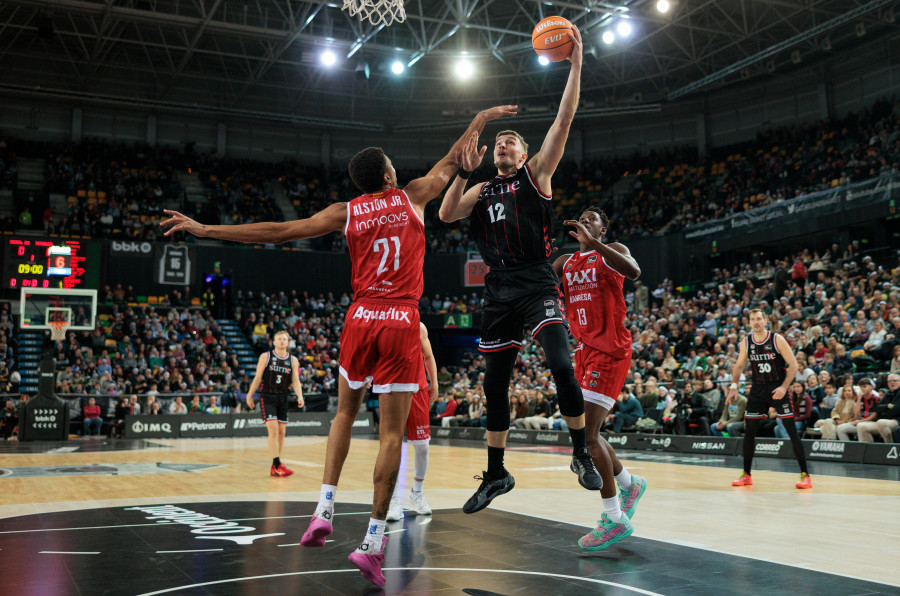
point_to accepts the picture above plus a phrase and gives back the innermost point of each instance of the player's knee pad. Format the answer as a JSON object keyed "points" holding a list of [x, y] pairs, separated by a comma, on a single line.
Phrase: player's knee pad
{"points": [[571, 401], [497, 420]]}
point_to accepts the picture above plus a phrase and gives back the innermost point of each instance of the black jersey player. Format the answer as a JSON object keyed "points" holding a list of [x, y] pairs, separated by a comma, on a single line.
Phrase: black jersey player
{"points": [[510, 219], [772, 370], [276, 373]]}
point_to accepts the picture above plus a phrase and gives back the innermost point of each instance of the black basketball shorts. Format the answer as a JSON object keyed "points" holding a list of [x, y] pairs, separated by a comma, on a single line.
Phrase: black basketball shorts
{"points": [[760, 400], [274, 406]]}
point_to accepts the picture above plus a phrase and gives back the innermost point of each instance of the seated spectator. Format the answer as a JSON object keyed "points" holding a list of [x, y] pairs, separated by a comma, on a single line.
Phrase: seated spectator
{"points": [[865, 407], [803, 409], [213, 407], [449, 411], [123, 409], [92, 418], [627, 413], [844, 412], [732, 416], [178, 406], [10, 420], [196, 406], [437, 410], [154, 409], [887, 411], [135, 404], [540, 420], [829, 400]]}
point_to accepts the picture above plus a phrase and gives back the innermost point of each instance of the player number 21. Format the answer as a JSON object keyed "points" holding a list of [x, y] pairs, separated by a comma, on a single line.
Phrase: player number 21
{"points": [[381, 245]]}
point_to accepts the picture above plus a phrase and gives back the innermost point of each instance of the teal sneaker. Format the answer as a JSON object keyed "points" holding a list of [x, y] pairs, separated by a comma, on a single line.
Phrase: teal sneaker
{"points": [[607, 533], [628, 500]]}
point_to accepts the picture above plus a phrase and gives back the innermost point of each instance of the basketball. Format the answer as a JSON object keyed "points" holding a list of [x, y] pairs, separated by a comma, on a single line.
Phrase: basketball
{"points": [[550, 39]]}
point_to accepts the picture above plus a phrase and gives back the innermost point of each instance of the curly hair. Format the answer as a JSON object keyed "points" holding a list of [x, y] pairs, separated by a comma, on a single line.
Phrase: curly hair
{"points": [[367, 169], [604, 218]]}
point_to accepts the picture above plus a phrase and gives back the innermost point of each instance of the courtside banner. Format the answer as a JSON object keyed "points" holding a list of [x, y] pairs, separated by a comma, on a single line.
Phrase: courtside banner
{"points": [[163, 426], [204, 425], [879, 453], [468, 432], [440, 432], [248, 425], [715, 445], [552, 437], [521, 436], [772, 447], [842, 451]]}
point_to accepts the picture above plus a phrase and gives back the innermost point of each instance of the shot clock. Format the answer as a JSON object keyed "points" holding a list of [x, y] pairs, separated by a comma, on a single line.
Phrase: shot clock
{"points": [[35, 263]]}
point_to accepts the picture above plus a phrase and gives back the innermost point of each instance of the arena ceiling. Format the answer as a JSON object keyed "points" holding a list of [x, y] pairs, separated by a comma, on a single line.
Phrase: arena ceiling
{"points": [[261, 57]]}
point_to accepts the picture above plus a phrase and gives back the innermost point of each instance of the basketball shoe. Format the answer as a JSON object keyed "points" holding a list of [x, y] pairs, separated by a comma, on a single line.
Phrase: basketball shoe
{"points": [[583, 465], [490, 489], [628, 500], [395, 510], [280, 471], [369, 561], [744, 480], [417, 500], [607, 533], [319, 528], [805, 481]]}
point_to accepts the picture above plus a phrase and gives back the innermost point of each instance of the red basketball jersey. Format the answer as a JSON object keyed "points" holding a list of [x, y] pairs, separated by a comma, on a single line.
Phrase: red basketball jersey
{"points": [[595, 304], [386, 239]]}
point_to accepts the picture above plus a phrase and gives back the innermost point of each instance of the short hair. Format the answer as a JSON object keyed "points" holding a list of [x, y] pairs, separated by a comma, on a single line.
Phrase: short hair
{"points": [[604, 218], [504, 133], [282, 332], [761, 312], [367, 169]]}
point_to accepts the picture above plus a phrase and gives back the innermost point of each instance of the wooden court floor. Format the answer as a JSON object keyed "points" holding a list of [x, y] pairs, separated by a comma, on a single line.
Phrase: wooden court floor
{"points": [[845, 526]]}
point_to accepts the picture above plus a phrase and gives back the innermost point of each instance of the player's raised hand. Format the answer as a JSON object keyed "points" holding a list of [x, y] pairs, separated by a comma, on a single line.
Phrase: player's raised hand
{"points": [[180, 223], [577, 46], [500, 112], [469, 156], [580, 232]]}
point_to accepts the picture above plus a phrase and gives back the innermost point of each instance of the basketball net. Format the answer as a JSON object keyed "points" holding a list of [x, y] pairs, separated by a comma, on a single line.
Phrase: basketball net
{"points": [[58, 330], [376, 11]]}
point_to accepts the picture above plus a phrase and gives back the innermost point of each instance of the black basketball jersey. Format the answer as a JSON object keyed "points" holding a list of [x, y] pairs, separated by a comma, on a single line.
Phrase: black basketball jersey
{"points": [[767, 365], [277, 375], [511, 221]]}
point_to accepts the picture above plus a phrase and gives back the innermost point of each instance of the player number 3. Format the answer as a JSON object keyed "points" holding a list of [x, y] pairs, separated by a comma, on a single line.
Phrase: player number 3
{"points": [[381, 245]]}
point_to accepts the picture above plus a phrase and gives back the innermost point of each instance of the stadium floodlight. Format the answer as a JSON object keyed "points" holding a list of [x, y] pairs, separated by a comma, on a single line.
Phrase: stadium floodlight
{"points": [[463, 68], [328, 58], [624, 28], [397, 67], [543, 60], [663, 6], [608, 37]]}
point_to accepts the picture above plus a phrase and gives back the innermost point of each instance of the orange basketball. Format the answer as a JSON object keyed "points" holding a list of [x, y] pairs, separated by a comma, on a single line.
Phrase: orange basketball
{"points": [[550, 39]]}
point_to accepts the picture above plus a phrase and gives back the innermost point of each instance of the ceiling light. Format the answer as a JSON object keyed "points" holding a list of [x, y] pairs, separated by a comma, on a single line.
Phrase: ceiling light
{"points": [[663, 6], [328, 58], [608, 37], [543, 60], [624, 28], [397, 67], [463, 68]]}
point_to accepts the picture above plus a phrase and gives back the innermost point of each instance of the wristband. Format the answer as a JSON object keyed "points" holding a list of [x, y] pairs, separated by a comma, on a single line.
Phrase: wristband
{"points": [[734, 385], [463, 173]]}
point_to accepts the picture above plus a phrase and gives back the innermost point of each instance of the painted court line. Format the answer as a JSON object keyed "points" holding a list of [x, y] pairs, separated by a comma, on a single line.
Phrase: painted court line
{"points": [[395, 531], [295, 544], [449, 569], [199, 550], [64, 552]]}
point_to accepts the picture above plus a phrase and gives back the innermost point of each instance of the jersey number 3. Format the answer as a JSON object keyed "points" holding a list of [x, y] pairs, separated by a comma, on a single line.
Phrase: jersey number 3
{"points": [[499, 212], [381, 245]]}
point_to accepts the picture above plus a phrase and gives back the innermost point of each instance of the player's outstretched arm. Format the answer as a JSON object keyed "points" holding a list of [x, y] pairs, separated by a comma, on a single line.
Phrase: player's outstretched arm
{"points": [[457, 205], [257, 378], [616, 255], [544, 162], [784, 349], [421, 190], [738, 370], [295, 381], [330, 219]]}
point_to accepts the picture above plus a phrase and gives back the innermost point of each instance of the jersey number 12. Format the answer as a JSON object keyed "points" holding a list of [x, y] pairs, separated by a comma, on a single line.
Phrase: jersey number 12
{"points": [[499, 212]]}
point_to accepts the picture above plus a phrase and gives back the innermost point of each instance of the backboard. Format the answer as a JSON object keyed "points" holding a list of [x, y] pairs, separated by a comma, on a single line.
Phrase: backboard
{"points": [[41, 307]]}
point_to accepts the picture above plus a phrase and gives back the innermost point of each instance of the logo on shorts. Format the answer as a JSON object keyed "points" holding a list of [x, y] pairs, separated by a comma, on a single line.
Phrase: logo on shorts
{"points": [[548, 303], [550, 312], [595, 374], [592, 384]]}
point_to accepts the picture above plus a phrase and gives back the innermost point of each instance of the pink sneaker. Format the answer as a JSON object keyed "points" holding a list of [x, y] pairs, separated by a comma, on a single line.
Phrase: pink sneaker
{"points": [[369, 563], [319, 528]]}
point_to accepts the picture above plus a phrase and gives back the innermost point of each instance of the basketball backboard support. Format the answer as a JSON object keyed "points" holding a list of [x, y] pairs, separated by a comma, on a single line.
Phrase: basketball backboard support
{"points": [[41, 307]]}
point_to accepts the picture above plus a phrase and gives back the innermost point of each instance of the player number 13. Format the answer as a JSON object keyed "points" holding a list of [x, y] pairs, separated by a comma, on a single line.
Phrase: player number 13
{"points": [[381, 245]]}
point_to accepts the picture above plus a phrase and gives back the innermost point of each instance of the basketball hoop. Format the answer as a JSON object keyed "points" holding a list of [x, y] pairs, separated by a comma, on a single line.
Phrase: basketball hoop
{"points": [[58, 330], [376, 11]]}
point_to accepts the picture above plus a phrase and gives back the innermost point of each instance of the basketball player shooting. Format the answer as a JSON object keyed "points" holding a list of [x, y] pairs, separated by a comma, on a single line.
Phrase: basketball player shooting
{"points": [[592, 281], [510, 219], [380, 339], [773, 367]]}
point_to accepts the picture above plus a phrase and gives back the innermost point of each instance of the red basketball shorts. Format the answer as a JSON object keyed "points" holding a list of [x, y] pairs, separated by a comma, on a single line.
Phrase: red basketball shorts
{"points": [[380, 344], [418, 426], [599, 375]]}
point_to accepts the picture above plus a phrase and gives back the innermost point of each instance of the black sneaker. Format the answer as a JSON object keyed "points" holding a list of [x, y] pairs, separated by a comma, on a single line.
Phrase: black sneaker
{"points": [[489, 489], [583, 465]]}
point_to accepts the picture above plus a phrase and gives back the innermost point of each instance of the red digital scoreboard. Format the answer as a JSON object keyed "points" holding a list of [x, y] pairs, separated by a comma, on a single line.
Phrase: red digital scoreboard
{"points": [[30, 263]]}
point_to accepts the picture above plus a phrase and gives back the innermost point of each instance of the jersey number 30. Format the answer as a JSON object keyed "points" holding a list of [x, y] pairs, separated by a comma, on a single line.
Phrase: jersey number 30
{"points": [[764, 367], [381, 245]]}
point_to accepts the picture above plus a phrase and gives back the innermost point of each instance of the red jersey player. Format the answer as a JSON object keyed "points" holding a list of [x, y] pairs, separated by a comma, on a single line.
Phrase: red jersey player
{"points": [[595, 307], [380, 340]]}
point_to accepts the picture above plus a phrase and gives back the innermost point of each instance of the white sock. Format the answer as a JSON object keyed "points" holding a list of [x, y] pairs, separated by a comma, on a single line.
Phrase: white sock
{"points": [[326, 497], [611, 507], [417, 485], [624, 479], [420, 465], [374, 536]]}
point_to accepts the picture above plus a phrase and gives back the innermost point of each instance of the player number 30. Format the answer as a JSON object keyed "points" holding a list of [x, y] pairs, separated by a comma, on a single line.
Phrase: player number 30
{"points": [[764, 367]]}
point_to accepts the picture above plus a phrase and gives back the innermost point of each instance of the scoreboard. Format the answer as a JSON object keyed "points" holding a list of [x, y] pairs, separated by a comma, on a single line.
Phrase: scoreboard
{"points": [[37, 263]]}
